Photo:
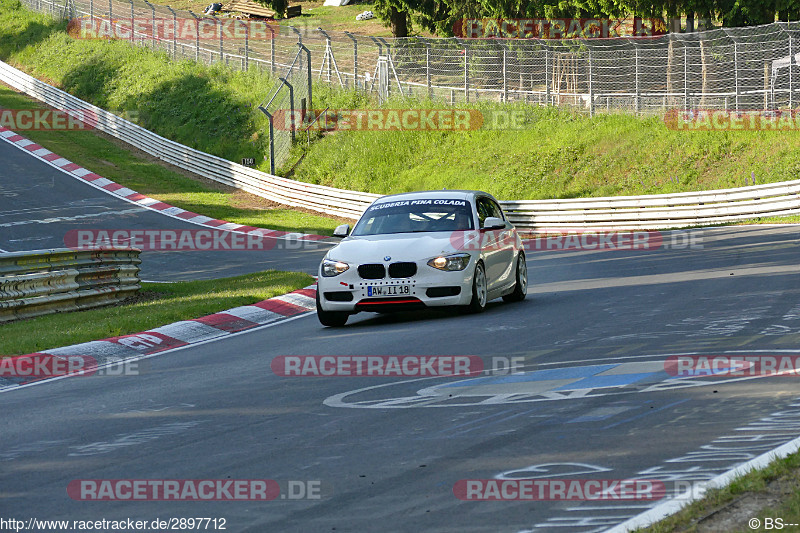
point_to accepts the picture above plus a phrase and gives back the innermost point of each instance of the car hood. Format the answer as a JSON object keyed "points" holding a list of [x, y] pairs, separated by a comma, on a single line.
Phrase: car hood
{"points": [[400, 247]]}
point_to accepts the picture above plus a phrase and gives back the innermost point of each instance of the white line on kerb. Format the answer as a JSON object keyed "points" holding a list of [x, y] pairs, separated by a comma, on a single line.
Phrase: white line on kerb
{"points": [[157, 354], [70, 174]]}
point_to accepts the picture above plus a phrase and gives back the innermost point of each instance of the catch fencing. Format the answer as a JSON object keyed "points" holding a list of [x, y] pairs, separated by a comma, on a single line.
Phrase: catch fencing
{"points": [[751, 68], [39, 282]]}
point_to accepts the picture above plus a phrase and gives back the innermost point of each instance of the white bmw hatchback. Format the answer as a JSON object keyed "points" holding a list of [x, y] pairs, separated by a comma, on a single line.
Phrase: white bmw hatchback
{"points": [[422, 249]]}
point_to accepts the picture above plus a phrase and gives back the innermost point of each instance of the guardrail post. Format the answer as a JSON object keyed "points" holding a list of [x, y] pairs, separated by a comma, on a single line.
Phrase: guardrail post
{"points": [[355, 58], [196, 36], [174, 32]]}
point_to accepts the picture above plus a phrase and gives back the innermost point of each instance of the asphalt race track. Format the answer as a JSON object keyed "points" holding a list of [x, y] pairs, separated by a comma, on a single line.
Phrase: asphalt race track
{"points": [[39, 204], [594, 402]]}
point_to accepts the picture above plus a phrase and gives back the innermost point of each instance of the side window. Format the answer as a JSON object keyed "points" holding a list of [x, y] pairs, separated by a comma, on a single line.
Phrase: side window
{"points": [[496, 211], [484, 209]]}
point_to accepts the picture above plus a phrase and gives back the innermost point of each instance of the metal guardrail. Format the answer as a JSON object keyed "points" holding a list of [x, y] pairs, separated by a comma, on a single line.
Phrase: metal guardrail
{"points": [[628, 212], [39, 282]]}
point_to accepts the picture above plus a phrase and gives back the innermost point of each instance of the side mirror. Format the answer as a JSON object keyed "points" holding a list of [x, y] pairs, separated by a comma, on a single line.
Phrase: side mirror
{"points": [[342, 231], [493, 223]]}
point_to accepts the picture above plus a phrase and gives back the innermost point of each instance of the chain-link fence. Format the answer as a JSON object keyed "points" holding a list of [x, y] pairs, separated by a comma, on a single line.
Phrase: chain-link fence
{"points": [[751, 68], [287, 107]]}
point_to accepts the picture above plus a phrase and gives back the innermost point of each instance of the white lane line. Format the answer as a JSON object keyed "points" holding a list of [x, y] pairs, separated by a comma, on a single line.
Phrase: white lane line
{"points": [[3, 251], [53, 220]]}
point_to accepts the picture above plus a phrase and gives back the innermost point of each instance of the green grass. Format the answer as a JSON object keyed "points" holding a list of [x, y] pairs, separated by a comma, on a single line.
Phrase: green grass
{"points": [[176, 301], [555, 154], [558, 154], [754, 482]]}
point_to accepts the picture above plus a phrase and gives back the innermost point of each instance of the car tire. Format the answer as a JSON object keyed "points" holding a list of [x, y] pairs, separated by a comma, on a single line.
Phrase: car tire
{"points": [[480, 290], [521, 285], [333, 319]]}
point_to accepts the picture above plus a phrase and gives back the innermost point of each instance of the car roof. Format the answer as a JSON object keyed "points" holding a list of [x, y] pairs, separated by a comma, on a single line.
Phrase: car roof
{"points": [[435, 195]]}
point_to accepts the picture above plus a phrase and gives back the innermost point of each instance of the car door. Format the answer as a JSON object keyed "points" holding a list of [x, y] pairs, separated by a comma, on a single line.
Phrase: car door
{"points": [[505, 247], [491, 246]]}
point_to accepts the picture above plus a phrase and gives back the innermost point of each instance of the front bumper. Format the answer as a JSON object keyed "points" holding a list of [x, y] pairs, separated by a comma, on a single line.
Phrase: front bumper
{"points": [[429, 287]]}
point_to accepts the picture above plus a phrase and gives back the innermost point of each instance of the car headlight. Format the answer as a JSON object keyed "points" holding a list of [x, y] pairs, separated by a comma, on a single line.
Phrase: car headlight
{"points": [[332, 268], [450, 262]]}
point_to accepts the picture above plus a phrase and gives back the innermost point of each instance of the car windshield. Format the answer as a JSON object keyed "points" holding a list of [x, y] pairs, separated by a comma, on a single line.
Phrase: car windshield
{"points": [[415, 216]]}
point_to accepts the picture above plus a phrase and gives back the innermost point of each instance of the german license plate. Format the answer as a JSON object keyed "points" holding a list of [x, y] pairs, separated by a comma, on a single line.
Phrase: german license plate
{"points": [[388, 290]]}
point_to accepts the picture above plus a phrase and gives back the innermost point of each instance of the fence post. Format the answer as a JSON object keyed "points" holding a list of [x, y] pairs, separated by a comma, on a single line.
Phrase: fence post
{"points": [[685, 77], [246, 46], [428, 69], [591, 92], [174, 32], [466, 72], [271, 48], [271, 141], [110, 12], [355, 59], [505, 76], [736, 74], [308, 74], [547, 69], [133, 37], [299, 43], [291, 105], [791, 59], [221, 47], [152, 22], [636, 79], [91, 13], [196, 37]]}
